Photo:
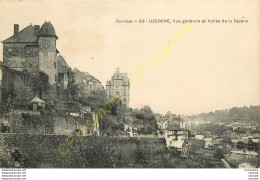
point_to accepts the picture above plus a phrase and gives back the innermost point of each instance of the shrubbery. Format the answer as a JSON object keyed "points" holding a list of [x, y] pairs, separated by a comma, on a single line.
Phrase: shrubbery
{"points": [[87, 152]]}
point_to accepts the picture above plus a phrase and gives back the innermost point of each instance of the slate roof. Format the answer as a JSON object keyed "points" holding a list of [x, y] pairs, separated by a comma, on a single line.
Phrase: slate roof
{"points": [[47, 29], [28, 34], [25, 35], [75, 70], [91, 78], [62, 65], [88, 76]]}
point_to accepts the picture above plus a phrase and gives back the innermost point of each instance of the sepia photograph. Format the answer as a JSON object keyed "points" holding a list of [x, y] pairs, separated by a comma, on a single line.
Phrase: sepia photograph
{"points": [[129, 84]]}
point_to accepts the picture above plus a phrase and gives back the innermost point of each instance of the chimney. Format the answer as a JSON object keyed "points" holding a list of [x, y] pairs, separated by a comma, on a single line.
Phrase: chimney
{"points": [[36, 29], [16, 29]]}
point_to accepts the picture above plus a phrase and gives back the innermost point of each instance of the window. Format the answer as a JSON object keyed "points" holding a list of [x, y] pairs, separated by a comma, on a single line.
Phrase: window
{"points": [[55, 78], [54, 64]]}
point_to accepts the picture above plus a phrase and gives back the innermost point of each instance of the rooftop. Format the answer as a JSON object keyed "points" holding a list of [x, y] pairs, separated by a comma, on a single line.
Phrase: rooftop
{"points": [[47, 29], [26, 35], [62, 65], [30, 33]]}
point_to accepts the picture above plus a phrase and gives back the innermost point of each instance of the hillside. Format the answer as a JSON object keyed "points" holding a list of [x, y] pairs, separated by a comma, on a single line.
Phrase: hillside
{"points": [[235, 114]]}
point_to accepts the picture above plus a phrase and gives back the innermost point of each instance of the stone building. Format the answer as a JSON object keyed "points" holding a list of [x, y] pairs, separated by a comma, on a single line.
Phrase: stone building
{"points": [[86, 81], [32, 49], [176, 134], [120, 85], [10, 81], [64, 72]]}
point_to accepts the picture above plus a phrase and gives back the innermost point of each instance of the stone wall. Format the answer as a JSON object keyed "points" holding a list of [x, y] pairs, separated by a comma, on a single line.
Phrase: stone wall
{"points": [[39, 151], [48, 58], [21, 56]]}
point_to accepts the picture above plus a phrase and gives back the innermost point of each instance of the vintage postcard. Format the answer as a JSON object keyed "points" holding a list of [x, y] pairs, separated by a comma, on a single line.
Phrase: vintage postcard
{"points": [[129, 84]]}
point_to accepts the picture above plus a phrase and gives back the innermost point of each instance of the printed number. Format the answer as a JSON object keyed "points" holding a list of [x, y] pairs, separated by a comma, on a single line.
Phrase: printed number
{"points": [[141, 21]]}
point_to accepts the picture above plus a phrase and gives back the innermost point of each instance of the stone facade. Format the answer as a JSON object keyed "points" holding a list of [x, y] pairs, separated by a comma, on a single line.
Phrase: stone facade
{"points": [[48, 58], [32, 49], [119, 85], [21, 56], [64, 73], [86, 81]]}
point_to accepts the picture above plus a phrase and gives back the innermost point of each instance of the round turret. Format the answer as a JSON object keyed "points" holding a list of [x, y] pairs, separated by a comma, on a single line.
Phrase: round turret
{"points": [[47, 29]]}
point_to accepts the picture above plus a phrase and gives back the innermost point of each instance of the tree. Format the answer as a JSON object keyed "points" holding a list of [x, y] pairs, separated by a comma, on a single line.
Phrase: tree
{"points": [[23, 94], [74, 91], [218, 153], [96, 99], [227, 138], [251, 145], [240, 145], [8, 104], [161, 132]]}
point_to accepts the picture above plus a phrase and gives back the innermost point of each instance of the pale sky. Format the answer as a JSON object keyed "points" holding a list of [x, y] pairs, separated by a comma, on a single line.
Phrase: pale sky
{"points": [[214, 66]]}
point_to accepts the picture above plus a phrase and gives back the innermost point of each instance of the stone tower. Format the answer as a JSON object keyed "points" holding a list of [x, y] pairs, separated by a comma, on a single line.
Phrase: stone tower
{"points": [[48, 52], [119, 85]]}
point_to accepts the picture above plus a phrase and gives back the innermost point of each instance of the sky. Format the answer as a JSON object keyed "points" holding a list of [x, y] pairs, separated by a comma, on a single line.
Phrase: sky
{"points": [[213, 66]]}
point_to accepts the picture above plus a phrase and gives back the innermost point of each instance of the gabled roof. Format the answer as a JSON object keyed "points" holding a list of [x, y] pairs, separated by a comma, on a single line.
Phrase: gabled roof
{"points": [[75, 70], [62, 65], [25, 35], [91, 78], [86, 73], [37, 100], [86, 76]]}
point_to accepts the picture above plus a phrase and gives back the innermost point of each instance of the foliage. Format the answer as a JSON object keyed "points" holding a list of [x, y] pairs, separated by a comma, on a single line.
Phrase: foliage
{"points": [[8, 104], [218, 153], [234, 114], [96, 99], [146, 120], [23, 86], [241, 130], [88, 152], [23, 94], [214, 128], [74, 91]]}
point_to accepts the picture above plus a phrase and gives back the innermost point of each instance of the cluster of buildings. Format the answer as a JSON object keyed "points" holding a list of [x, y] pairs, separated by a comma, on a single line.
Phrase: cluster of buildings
{"points": [[175, 133], [179, 139], [243, 124], [32, 52]]}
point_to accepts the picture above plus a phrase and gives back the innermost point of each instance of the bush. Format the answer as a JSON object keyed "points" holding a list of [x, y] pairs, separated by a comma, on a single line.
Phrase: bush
{"points": [[218, 153]]}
